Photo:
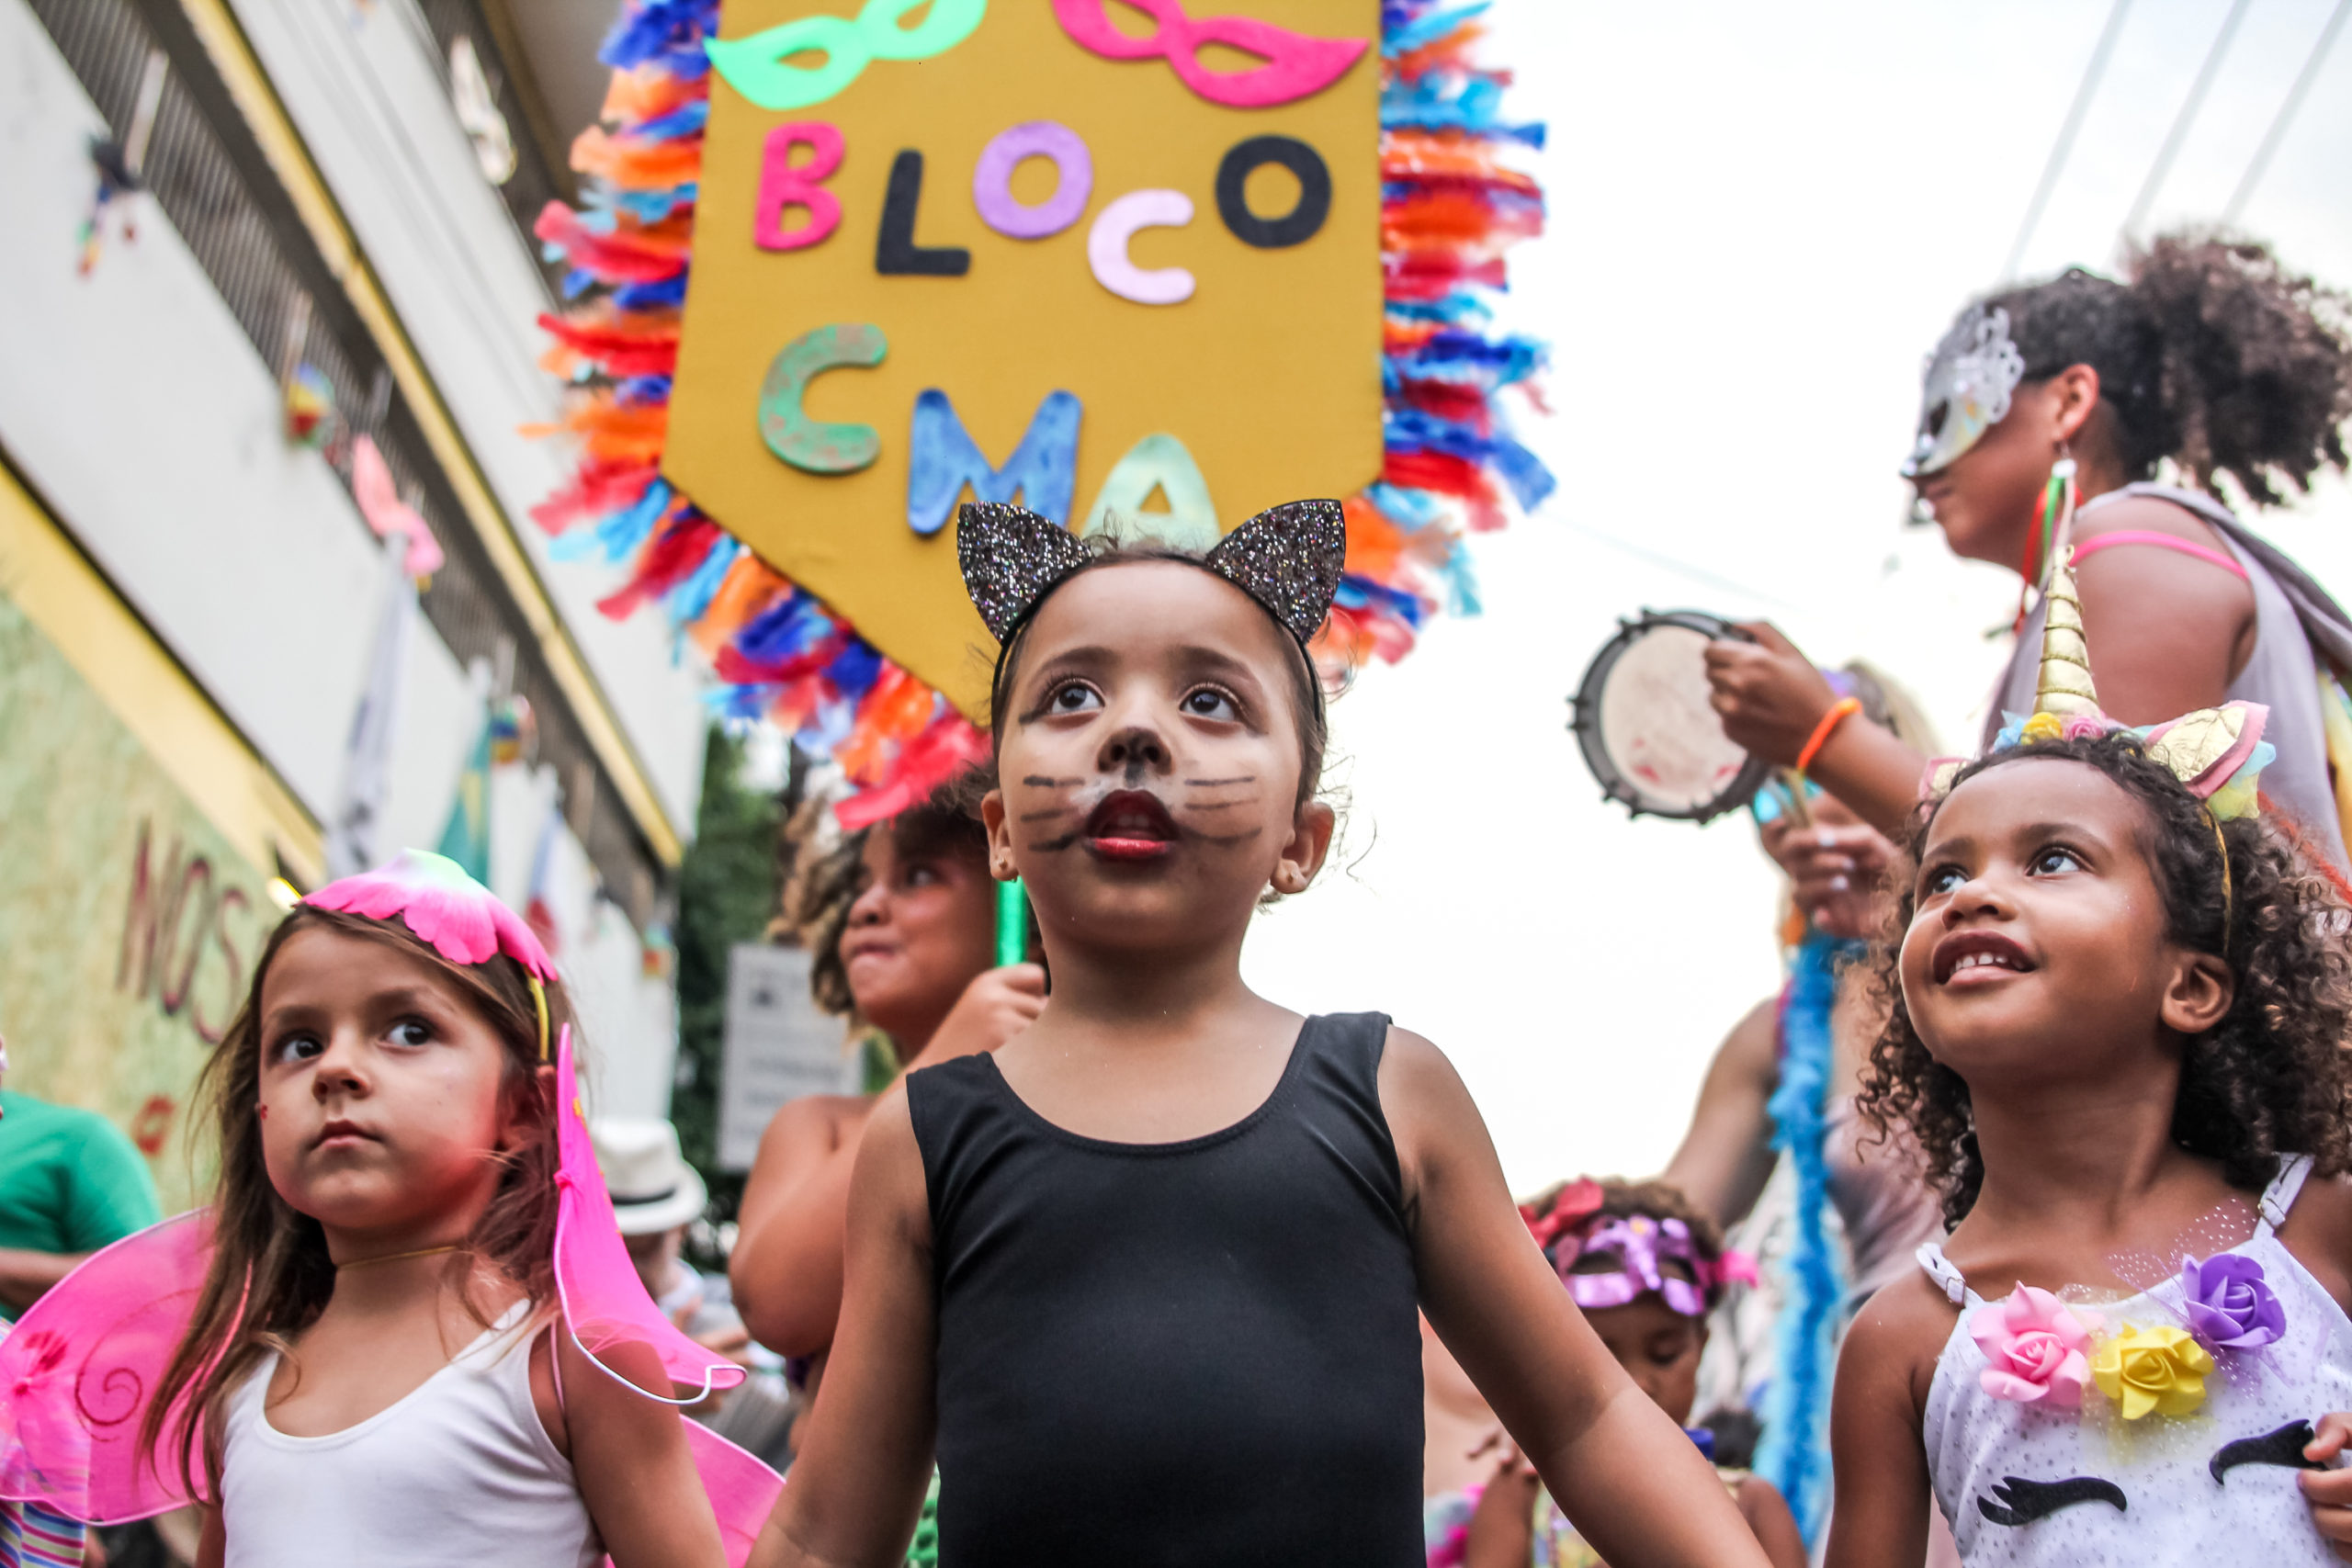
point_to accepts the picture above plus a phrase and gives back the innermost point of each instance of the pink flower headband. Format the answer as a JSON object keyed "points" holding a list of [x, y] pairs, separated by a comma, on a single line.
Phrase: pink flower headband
{"points": [[449, 912]]}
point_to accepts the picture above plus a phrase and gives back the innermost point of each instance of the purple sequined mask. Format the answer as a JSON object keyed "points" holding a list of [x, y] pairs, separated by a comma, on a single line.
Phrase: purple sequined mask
{"points": [[1643, 1248]]}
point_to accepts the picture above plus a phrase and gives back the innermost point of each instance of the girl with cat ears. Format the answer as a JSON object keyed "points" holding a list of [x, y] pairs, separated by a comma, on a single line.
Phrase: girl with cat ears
{"points": [[1145, 1279]]}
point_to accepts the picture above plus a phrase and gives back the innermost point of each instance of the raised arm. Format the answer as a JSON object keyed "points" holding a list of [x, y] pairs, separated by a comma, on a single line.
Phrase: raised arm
{"points": [[787, 1266], [857, 1487], [1632, 1481], [1726, 1156], [1772, 700]]}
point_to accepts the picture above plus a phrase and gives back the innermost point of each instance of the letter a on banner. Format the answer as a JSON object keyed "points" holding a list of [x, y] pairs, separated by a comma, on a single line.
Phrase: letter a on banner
{"points": [[945, 459]]}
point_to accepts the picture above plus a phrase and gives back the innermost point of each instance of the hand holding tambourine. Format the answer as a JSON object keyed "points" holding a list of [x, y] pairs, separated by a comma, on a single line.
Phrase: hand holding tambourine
{"points": [[1768, 696], [1685, 715]]}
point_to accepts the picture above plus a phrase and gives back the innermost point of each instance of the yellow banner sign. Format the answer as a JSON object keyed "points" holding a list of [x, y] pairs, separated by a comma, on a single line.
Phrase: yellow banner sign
{"points": [[1025, 249]]}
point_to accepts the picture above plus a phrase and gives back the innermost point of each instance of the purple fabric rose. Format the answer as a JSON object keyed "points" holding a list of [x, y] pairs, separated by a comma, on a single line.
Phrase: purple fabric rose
{"points": [[2230, 1305]]}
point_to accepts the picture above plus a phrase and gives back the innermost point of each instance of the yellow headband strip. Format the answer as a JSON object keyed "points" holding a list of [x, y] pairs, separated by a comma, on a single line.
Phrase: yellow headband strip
{"points": [[539, 1006], [2229, 893]]}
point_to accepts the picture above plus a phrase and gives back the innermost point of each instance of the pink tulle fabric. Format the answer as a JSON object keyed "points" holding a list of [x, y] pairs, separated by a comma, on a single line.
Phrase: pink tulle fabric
{"points": [[79, 1369], [76, 1374], [603, 1302], [433, 896]]}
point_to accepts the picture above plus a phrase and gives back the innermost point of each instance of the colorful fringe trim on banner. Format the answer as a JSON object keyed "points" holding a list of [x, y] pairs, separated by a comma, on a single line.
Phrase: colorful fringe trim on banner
{"points": [[1449, 210]]}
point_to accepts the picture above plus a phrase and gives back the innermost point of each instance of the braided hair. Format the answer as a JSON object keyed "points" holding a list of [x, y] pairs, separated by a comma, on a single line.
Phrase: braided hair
{"points": [[2211, 354]]}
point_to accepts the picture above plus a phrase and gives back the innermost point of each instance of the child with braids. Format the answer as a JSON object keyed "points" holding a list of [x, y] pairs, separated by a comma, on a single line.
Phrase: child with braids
{"points": [[2210, 359], [2118, 1005], [1144, 1278]]}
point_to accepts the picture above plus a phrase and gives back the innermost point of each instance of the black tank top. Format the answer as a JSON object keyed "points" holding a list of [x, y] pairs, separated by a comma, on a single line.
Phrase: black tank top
{"points": [[1202, 1354]]}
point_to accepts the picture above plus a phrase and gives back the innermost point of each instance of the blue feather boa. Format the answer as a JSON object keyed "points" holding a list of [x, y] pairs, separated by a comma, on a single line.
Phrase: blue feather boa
{"points": [[1794, 1453]]}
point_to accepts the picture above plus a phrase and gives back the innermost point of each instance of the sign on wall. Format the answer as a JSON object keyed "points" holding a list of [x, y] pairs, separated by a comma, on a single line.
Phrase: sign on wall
{"points": [[128, 927], [779, 1047], [1024, 250]]}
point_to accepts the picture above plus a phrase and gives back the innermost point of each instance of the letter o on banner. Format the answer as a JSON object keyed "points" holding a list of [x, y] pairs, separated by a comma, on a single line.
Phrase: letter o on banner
{"points": [[813, 446], [992, 180], [1106, 247], [1297, 226]]}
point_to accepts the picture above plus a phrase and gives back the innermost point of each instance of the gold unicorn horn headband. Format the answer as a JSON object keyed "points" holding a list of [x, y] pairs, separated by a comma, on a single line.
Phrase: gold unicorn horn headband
{"points": [[2065, 688], [2218, 754]]}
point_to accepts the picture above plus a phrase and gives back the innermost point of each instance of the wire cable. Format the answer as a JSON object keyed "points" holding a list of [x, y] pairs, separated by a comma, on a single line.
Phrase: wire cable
{"points": [[2277, 131], [2180, 124], [2065, 145]]}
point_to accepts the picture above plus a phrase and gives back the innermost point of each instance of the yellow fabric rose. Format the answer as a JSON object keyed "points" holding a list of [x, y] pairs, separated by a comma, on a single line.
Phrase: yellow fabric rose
{"points": [[2043, 726], [2161, 1370]]}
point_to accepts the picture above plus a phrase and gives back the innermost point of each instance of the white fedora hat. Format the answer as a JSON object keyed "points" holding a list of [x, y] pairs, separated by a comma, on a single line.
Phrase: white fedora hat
{"points": [[652, 1185]]}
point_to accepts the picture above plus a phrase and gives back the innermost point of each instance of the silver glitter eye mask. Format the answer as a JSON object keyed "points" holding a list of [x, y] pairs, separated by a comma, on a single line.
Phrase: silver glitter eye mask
{"points": [[1287, 557]]}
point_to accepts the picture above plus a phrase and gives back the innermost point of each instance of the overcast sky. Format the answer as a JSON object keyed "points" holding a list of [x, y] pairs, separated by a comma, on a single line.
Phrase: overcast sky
{"points": [[1762, 218]]}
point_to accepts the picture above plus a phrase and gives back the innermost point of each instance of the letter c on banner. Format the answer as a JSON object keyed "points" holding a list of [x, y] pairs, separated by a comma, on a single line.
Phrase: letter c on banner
{"points": [[810, 444], [992, 180], [783, 186], [1106, 247]]}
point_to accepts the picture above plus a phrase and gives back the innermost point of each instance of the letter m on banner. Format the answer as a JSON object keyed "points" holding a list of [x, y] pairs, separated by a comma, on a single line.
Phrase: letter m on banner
{"points": [[944, 458]]}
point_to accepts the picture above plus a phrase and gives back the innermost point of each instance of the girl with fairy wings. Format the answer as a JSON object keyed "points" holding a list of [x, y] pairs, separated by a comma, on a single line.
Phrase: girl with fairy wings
{"points": [[406, 1332]]}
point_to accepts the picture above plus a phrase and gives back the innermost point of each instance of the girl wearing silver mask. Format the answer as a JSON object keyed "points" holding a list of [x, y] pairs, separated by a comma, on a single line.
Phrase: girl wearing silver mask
{"points": [[2113, 417]]}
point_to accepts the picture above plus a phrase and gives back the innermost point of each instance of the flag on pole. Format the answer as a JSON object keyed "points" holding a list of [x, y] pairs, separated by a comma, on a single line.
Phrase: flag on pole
{"points": [[538, 911], [351, 845], [465, 838]]}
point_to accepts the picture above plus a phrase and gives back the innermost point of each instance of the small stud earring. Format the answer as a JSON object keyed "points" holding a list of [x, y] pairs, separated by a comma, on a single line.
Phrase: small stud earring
{"points": [[261, 1110]]}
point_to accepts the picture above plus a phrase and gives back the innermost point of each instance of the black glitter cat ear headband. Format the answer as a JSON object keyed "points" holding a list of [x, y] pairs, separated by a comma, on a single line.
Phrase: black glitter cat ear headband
{"points": [[1287, 557]]}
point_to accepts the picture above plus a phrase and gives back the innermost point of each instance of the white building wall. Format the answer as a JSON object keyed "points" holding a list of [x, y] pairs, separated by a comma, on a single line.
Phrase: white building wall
{"points": [[362, 87], [136, 405]]}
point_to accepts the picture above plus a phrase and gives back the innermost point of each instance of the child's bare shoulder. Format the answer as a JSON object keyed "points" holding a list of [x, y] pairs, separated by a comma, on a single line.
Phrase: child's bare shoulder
{"points": [[2319, 1233], [888, 1186], [1419, 1088], [1897, 1336]]}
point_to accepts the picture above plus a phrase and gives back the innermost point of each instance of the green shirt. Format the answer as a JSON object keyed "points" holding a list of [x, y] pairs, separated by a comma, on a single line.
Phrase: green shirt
{"points": [[70, 1182]]}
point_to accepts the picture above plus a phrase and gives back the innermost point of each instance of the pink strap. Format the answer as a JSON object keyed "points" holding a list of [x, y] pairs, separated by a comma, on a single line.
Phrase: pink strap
{"points": [[2166, 541]]}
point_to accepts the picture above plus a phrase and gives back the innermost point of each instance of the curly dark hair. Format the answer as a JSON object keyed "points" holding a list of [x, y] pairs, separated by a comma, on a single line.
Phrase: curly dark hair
{"points": [[2212, 354], [815, 902], [2273, 1076]]}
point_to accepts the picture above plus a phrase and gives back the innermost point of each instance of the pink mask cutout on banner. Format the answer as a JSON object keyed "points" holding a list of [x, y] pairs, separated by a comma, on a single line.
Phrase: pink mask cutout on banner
{"points": [[1297, 67]]}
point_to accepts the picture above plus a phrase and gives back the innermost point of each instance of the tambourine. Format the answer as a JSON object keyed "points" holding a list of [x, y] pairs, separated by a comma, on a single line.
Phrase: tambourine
{"points": [[1642, 720]]}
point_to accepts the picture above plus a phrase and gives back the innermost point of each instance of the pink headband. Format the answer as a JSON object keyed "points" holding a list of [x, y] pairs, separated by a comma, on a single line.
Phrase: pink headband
{"points": [[449, 911]]}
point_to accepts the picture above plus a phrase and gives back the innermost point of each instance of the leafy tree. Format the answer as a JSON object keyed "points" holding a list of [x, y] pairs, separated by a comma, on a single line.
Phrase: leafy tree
{"points": [[727, 892]]}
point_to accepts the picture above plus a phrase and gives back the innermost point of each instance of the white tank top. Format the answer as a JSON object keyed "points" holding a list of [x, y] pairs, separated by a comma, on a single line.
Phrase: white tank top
{"points": [[2183, 1499], [459, 1470]]}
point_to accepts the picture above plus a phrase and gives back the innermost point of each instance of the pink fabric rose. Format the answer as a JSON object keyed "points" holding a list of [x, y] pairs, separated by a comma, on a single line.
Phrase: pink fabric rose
{"points": [[2035, 1349]]}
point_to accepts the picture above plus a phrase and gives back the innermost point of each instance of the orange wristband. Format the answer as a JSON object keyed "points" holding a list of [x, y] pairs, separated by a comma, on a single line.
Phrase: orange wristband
{"points": [[1840, 712]]}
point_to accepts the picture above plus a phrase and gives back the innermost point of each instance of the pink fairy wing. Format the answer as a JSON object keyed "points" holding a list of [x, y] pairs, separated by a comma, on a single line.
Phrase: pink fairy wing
{"points": [[603, 1301], [77, 1373], [742, 1490]]}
